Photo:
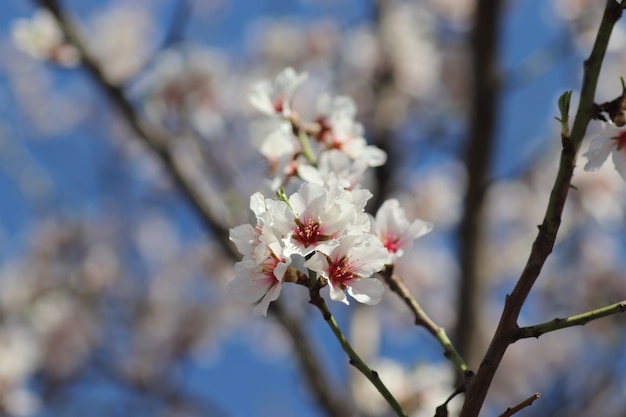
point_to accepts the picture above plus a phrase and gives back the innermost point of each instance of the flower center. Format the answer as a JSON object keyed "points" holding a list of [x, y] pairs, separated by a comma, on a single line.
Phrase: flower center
{"points": [[620, 140], [391, 242], [340, 273], [279, 104], [308, 232]]}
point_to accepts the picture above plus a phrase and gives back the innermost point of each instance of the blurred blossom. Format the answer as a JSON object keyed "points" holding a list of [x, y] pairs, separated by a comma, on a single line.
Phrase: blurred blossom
{"points": [[408, 38], [602, 195], [436, 194], [20, 352], [41, 38], [156, 239], [430, 271], [420, 390], [277, 41], [121, 38], [186, 89], [50, 110], [20, 402], [361, 50]]}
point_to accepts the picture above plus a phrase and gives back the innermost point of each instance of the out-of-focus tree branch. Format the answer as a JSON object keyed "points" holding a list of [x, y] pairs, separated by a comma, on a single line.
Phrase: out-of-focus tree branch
{"points": [[156, 140], [485, 90], [542, 247]]}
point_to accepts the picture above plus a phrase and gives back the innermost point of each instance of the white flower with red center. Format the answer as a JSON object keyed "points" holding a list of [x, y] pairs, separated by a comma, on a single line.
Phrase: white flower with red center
{"points": [[394, 230], [612, 142], [350, 267], [338, 130], [316, 216], [274, 98], [259, 280], [246, 237], [261, 271]]}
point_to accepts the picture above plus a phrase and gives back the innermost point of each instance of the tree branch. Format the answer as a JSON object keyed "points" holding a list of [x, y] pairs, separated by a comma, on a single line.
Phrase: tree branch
{"points": [[355, 359], [396, 285], [526, 403], [542, 247], [578, 320]]}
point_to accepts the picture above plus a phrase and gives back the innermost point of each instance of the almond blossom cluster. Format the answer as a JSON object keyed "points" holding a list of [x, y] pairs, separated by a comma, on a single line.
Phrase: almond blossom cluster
{"points": [[321, 227]]}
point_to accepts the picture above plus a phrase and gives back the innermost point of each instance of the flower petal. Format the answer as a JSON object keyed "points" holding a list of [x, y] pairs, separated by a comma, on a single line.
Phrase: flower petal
{"points": [[367, 291], [598, 152]]}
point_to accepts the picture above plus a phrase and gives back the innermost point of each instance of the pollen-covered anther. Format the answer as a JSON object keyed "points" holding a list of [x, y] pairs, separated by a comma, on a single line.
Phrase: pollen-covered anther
{"points": [[308, 232]]}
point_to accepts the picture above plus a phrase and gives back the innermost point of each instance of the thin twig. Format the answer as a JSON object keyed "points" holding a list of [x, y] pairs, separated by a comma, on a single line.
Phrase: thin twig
{"points": [[542, 247], [355, 359], [577, 320], [396, 285], [526, 403]]}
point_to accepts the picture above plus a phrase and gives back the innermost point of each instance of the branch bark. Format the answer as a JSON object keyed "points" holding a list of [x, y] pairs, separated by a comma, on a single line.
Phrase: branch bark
{"points": [[542, 247]]}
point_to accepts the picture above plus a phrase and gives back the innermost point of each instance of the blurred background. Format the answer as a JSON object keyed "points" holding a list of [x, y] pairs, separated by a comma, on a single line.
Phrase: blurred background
{"points": [[113, 256]]}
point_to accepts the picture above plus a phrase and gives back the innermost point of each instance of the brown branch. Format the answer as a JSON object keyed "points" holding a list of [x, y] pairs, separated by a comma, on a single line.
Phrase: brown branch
{"points": [[542, 247], [526, 403]]}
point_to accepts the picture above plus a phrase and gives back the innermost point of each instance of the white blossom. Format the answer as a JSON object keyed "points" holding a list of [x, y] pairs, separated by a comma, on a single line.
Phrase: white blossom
{"points": [[41, 38], [394, 230], [274, 98], [613, 143], [350, 267]]}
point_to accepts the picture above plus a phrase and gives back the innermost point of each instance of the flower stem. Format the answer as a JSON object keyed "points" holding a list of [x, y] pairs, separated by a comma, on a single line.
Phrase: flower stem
{"points": [[396, 285], [355, 359]]}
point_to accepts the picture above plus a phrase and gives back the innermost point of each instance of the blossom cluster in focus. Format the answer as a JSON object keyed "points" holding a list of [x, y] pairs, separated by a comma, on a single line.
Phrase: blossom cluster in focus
{"points": [[321, 227]]}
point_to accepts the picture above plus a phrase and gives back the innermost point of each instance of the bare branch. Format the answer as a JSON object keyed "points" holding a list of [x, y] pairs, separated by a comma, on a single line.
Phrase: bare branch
{"points": [[578, 320], [526, 403], [542, 247]]}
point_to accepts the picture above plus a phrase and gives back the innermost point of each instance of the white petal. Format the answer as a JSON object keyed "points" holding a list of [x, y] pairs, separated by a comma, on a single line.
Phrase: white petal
{"points": [[367, 290], [598, 152], [244, 288], [619, 159], [418, 229], [260, 98], [317, 263], [261, 308], [243, 236], [337, 294], [257, 203]]}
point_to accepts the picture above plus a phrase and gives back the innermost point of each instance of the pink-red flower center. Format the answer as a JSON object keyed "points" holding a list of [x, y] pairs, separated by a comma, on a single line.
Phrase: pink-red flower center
{"points": [[279, 104], [391, 242], [308, 232], [341, 272], [621, 140], [266, 268]]}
